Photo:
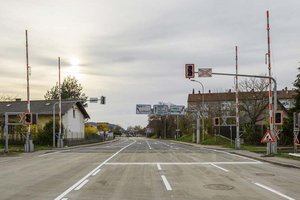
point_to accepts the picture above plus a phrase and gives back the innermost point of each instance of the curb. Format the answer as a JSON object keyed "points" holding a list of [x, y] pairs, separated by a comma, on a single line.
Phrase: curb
{"points": [[268, 161], [87, 145]]}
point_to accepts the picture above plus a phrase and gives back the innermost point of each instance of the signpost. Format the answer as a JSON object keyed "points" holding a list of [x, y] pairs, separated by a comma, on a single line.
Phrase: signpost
{"points": [[143, 109], [268, 138], [177, 110], [161, 110], [204, 72]]}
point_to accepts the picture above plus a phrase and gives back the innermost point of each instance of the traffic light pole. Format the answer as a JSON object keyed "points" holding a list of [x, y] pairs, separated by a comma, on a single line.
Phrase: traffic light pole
{"points": [[272, 150], [28, 144]]}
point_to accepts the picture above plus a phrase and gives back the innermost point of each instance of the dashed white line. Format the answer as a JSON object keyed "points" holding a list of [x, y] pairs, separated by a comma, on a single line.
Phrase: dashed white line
{"points": [[221, 168], [96, 172], [166, 182], [274, 191], [90, 173], [64, 199], [148, 144], [158, 166], [81, 184]]}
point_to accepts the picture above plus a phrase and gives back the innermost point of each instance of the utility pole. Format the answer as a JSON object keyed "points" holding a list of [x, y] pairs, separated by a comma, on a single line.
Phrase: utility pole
{"points": [[59, 141], [237, 141], [28, 144]]}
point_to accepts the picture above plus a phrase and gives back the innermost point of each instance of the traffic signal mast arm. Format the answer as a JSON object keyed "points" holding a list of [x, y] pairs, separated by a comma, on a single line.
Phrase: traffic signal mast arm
{"points": [[256, 76]]}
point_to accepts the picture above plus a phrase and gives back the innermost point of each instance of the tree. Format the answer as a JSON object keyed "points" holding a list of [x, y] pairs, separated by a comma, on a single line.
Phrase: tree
{"points": [[253, 103], [297, 98], [70, 89]]}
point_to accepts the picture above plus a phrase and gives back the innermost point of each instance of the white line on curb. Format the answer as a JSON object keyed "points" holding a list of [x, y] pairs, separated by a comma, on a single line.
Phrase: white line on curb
{"points": [[167, 184], [274, 191], [81, 184], [158, 166], [221, 168], [90, 173]]}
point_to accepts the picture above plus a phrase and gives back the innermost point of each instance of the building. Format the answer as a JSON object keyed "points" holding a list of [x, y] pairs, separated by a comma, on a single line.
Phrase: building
{"points": [[73, 114], [223, 104]]}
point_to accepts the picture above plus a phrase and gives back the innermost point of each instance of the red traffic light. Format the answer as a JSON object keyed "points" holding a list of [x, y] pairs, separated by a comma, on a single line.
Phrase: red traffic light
{"points": [[27, 118], [189, 70], [216, 121], [278, 118]]}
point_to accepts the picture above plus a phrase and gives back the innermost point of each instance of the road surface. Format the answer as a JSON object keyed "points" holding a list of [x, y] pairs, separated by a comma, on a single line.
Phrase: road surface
{"points": [[140, 168]]}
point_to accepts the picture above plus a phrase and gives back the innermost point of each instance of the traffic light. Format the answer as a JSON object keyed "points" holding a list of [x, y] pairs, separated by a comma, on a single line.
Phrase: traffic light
{"points": [[189, 70], [102, 100], [28, 117], [216, 121], [278, 118]]}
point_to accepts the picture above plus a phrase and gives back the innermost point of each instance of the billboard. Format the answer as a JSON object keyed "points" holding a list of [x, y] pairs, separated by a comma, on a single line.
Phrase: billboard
{"points": [[143, 109]]}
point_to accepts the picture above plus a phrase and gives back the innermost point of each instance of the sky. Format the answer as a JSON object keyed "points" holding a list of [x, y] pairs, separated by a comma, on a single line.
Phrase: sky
{"points": [[134, 51]]}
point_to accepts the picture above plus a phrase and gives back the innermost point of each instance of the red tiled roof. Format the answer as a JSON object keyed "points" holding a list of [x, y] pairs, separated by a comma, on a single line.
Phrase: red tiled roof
{"points": [[230, 96]]}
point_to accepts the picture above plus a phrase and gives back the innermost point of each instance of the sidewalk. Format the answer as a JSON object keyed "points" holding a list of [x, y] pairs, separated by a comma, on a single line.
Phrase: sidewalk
{"points": [[285, 162]]}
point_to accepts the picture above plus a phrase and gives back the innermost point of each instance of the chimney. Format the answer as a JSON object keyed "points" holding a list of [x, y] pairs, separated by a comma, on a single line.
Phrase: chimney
{"points": [[199, 92], [193, 91], [208, 91]]}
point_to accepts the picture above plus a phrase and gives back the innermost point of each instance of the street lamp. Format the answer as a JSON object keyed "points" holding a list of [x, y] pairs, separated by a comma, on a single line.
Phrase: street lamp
{"points": [[198, 122]]}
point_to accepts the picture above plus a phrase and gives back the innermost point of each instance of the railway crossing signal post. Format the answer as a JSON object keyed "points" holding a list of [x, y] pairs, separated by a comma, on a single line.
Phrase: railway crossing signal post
{"points": [[207, 72]]}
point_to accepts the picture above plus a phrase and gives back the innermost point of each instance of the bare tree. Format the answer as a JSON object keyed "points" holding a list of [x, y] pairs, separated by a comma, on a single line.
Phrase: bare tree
{"points": [[253, 100]]}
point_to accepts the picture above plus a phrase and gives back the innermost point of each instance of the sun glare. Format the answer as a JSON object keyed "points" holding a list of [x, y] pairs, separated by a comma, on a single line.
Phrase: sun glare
{"points": [[74, 68]]}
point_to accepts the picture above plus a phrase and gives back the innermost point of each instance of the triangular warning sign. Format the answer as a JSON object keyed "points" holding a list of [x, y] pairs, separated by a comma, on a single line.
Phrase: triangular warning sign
{"points": [[267, 138]]}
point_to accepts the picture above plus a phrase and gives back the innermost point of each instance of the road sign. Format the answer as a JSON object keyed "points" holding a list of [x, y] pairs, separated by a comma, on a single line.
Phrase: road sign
{"points": [[267, 138], [204, 72], [93, 100], [176, 110], [143, 109], [161, 109]]}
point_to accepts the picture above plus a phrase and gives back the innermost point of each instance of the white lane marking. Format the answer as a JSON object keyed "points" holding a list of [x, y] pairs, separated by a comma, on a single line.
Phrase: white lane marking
{"points": [[181, 163], [64, 199], [81, 184], [90, 173], [158, 166], [233, 154], [167, 184], [274, 191], [96, 172], [148, 144], [47, 154], [221, 168]]}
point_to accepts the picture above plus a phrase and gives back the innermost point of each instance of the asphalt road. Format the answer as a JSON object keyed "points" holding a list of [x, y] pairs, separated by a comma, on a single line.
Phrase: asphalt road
{"points": [[140, 168]]}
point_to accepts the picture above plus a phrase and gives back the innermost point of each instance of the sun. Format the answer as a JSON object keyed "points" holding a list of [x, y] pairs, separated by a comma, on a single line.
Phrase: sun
{"points": [[74, 68]]}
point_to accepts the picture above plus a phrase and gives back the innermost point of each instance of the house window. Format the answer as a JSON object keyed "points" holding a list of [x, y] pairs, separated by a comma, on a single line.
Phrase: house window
{"points": [[74, 113]]}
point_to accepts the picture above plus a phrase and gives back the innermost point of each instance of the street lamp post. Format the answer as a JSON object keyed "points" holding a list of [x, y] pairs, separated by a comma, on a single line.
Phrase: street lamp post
{"points": [[198, 122]]}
